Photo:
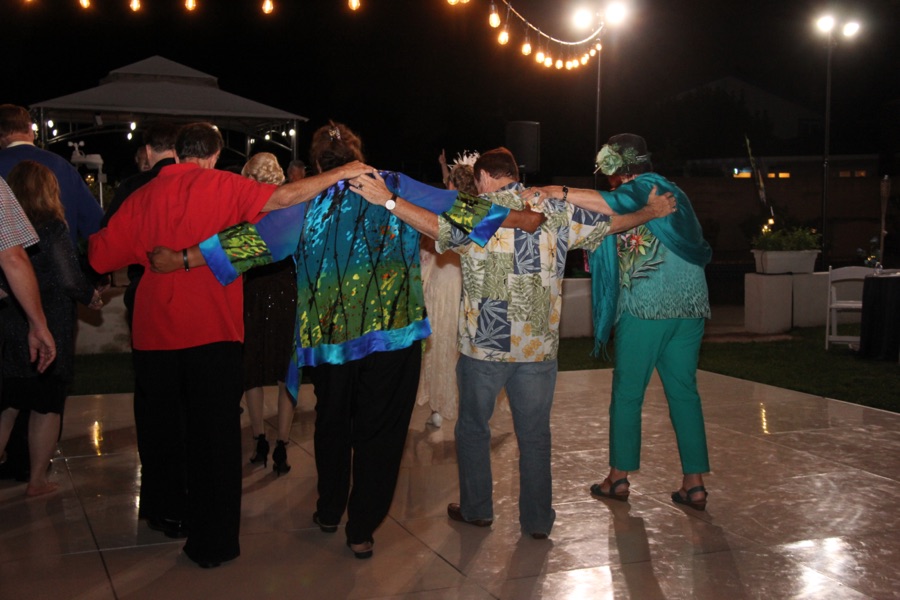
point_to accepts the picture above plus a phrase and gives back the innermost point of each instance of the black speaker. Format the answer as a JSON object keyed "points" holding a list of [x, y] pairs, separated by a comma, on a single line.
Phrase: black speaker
{"points": [[523, 138]]}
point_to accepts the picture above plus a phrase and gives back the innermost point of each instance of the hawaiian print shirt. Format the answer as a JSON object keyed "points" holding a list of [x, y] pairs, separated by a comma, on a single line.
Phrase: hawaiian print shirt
{"points": [[511, 302], [656, 283]]}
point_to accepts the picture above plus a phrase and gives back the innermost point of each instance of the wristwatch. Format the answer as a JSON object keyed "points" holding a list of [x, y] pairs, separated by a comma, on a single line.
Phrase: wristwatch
{"points": [[391, 204]]}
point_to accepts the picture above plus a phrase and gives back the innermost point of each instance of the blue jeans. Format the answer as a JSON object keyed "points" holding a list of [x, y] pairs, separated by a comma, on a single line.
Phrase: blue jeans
{"points": [[530, 389]]}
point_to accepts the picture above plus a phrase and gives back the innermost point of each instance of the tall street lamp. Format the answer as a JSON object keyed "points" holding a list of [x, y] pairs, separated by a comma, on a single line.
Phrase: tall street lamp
{"points": [[827, 25], [613, 13]]}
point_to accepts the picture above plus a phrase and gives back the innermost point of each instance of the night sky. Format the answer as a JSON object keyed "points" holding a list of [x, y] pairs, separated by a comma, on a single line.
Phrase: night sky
{"points": [[415, 76]]}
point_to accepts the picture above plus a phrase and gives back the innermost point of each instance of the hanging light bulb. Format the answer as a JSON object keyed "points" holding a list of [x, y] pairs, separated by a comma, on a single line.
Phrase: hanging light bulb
{"points": [[268, 6], [85, 3], [354, 4], [494, 19], [585, 59], [464, 1], [548, 61], [503, 38], [190, 4], [539, 57], [135, 5], [526, 47], [559, 63], [452, 2]]}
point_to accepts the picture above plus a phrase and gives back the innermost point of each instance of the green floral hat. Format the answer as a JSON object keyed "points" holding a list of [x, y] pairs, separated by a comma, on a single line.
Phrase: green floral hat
{"points": [[620, 152]]}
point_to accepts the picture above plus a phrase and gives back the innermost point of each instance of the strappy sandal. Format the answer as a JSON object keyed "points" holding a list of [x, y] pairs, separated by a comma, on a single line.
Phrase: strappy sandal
{"points": [[597, 491], [685, 499]]}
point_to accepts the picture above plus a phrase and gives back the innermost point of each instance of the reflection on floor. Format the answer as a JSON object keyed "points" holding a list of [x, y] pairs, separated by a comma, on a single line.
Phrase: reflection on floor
{"points": [[803, 504]]}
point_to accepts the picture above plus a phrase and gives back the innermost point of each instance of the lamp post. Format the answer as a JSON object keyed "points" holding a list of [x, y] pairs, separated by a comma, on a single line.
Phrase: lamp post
{"points": [[613, 14], [827, 24]]}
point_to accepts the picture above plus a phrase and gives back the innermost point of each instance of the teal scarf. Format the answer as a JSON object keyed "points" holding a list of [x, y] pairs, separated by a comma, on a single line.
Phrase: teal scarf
{"points": [[680, 232]]}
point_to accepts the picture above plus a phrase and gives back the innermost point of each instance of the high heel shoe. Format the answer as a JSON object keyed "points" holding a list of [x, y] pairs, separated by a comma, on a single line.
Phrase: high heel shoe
{"points": [[279, 458], [684, 497], [262, 451], [597, 490]]}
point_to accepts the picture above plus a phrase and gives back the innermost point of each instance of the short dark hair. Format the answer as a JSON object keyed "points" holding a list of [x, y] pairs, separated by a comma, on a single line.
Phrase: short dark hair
{"points": [[161, 135], [497, 163], [14, 119], [198, 140]]}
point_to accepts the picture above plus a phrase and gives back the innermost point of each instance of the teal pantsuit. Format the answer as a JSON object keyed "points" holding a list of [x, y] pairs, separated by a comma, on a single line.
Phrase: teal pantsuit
{"points": [[650, 282], [671, 346]]}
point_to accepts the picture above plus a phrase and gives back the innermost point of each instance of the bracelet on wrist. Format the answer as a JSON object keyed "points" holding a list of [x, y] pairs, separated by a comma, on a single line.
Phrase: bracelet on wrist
{"points": [[184, 259]]}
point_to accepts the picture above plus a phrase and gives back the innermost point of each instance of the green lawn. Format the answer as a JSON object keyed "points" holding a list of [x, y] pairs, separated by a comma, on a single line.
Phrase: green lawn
{"points": [[800, 364]]}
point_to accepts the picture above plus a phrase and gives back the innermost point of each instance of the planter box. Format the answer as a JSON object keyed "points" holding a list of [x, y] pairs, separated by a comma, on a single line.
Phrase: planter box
{"points": [[785, 261]]}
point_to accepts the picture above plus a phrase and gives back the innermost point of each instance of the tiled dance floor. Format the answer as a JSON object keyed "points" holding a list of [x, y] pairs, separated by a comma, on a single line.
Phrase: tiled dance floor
{"points": [[804, 498]]}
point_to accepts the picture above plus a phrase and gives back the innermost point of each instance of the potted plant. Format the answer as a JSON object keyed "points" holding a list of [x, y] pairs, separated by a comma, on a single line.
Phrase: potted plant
{"points": [[786, 250]]}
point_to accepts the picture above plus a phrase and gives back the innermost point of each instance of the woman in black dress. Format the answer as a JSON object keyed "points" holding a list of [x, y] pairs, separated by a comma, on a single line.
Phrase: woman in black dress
{"points": [[62, 283]]}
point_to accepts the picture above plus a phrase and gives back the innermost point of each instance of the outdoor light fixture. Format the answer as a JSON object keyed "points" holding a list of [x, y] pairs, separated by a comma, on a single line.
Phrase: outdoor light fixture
{"points": [[494, 19], [583, 18], [526, 46], [268, 6], [190, 4], [354, 4], [85, 3], [503, 38], [827, 24], [135, 5], [452, 2]]}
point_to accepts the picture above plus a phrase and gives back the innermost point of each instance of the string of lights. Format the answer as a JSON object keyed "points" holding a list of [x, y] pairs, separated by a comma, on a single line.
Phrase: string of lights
{"points": [[268, 6], [548, 50], [551, 51]]}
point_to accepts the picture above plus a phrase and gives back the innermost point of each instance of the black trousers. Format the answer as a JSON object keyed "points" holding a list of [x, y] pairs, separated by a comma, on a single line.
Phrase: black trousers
{"points": [[187, 417], [362, 417]]}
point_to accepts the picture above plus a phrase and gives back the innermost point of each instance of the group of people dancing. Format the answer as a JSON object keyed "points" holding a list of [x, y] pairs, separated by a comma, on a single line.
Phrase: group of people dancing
{"points": [[359, 277]]}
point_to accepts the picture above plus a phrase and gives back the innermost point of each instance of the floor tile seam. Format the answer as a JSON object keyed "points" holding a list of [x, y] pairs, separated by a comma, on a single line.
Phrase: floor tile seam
{"points": [[90, 527], [830, 458], [825, 574], [434, 551]]}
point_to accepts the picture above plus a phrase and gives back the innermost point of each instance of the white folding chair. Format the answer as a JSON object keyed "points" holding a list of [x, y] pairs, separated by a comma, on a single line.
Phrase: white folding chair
{"points": [[844, 295]]}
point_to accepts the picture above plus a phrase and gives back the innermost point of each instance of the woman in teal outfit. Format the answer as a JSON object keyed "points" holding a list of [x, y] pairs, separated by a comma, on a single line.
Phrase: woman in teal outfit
{"points": [[650, 283]]}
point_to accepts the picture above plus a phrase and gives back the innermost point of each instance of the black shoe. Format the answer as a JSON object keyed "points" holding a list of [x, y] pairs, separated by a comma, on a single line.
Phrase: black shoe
{"points": [[171, 528], [262, 451], [279, 458], [539, 536], [206, 563], [455, 513], [325, 528], [365, 552], [683, 496]]}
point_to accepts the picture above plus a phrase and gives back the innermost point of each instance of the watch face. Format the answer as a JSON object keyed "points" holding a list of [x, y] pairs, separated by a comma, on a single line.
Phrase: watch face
{"points": [[390, 205]]}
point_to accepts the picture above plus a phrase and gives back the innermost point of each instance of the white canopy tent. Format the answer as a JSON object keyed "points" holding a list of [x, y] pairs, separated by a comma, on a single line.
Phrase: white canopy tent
{"points": [[157, 88]]}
